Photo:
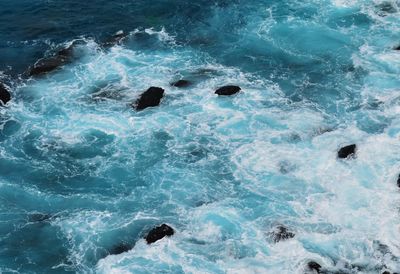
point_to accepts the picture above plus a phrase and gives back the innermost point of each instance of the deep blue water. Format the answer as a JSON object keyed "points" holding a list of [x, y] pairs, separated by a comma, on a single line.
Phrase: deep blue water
{"points": [[82, 172]]}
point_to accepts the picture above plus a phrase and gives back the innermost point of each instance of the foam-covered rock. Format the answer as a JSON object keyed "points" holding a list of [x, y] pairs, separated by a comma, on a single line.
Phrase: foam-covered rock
{"points": [[280, 233], [314, 266]]}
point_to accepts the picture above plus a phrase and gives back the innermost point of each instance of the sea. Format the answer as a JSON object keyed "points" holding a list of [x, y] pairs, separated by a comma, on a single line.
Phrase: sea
{"points": [[250, 183]]}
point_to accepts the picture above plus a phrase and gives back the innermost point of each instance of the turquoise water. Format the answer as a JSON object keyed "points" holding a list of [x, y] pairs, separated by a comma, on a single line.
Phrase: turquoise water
{"points": [[82, 172]]}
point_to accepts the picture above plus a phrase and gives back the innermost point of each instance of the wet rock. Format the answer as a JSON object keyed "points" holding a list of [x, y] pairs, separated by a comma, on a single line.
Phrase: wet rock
{"points": [[121, 248], [281, 233], [227, 90], [347, 151], [397, 47], [115, 39], [54, 62], [314, 266], [158, 233], [150, 98], [47, 65], [398, 181], [181, 83], [5, 95], [66, 52]]}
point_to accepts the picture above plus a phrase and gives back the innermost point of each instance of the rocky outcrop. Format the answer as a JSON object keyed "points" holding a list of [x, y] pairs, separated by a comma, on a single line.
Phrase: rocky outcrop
{"points": [[227, 90], [5, 95], [347, 151], [150, 98], [158, 233]]}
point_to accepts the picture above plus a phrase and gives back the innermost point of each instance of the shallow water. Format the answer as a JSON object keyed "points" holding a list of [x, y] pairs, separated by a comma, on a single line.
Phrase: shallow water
{"points": [[82, 172]]}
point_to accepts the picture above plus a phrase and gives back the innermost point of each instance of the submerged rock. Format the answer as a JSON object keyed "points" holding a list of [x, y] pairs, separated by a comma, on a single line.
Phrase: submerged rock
{"points": [[39, 217], [5, 95], [347, 151], [150, 98], [227, 90], [107, 92], [281, 233], [386, 8], [181, 83], [121, 248], [314, 266], [158, 233]]}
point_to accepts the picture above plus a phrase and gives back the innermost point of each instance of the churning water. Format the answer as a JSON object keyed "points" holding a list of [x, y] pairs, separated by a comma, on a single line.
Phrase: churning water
{"points": [[82, 172]]}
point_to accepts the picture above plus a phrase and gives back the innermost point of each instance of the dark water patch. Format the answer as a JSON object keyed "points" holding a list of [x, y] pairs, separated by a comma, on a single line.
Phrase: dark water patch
{"points": [[8, 129], [23, 245], [39, 217]]}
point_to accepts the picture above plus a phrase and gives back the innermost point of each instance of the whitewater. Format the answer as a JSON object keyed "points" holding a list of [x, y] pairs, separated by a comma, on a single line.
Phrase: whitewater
{"points": [[249, 183]]}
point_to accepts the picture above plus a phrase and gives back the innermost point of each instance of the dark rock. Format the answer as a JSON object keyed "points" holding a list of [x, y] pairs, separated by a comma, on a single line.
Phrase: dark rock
{"points": [[281, 233], [57, 60], [314, 266], [115, 39], [181, 84], [121, 248], [66, 53], [347, 151], [47, 65], [228, 90], [5, 95], [158, 233], [150, 98], [397, 48]]}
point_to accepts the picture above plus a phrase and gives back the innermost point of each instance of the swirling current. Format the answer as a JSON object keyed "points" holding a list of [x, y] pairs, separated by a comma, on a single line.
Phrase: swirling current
{"points": [[249, 183]]}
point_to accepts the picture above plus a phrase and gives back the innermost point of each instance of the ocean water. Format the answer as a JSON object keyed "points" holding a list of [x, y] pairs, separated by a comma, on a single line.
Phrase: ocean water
{"points": [[82, 172]]}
